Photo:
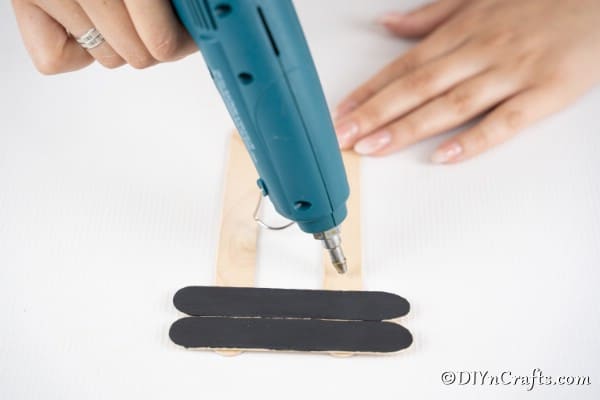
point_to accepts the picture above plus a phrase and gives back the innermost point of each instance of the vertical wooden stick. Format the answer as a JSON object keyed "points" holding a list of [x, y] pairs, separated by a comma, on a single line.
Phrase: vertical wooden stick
{"points": [[236, 254]]}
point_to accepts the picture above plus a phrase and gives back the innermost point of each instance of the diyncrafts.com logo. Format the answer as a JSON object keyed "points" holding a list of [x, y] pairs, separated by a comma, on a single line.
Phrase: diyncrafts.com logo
{"points": [[508, 378]]}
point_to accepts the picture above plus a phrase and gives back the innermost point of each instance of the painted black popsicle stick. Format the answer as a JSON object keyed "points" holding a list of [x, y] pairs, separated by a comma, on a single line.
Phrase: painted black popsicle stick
{"points": [[216, 301], [289, 334]]}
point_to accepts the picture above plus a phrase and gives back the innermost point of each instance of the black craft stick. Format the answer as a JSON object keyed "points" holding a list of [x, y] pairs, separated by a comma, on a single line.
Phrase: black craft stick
{"points": [[289, 334], [216, 301]]}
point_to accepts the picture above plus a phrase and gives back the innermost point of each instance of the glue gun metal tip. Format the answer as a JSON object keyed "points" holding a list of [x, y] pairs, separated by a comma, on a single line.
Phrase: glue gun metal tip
{"points": [[338, 259], [332, 241], [341, 267]]}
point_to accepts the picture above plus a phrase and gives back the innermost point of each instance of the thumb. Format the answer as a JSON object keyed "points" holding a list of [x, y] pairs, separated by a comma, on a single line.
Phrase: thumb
{"points": [[422, 21]]}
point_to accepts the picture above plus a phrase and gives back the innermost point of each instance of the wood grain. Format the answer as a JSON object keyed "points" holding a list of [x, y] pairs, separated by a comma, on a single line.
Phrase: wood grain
{"points": [[236, 254]]}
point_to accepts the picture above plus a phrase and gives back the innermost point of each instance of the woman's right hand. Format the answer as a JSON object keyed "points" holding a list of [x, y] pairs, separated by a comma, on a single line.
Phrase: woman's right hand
{"points": [[512, 62], [137, 32]]}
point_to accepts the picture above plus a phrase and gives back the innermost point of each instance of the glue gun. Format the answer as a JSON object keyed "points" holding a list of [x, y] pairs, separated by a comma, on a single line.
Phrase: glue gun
{"points": [[260, 62]]}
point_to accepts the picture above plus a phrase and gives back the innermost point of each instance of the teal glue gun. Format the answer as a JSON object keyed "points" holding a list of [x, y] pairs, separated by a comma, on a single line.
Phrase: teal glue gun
{"points": [[260, 62]]}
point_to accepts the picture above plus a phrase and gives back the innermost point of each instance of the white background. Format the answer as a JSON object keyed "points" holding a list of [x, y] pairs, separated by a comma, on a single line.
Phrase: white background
{"points": [[110, 183]]}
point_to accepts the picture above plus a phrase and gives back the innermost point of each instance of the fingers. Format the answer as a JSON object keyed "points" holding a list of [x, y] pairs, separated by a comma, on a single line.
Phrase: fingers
{"points": [[158, 27], [50, 30], [450, 110], [51, 49], [399, 67], [112, 19], [407, 93], [70, 15], [421, 21], [500, 125], [437, 45]]}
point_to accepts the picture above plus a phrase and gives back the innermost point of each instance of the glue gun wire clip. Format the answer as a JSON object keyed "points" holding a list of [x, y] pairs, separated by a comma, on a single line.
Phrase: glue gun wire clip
{"points": [[259, 221]]}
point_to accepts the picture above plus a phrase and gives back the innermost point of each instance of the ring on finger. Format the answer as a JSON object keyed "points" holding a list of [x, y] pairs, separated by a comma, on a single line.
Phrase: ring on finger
{"points": [[91, 39]]}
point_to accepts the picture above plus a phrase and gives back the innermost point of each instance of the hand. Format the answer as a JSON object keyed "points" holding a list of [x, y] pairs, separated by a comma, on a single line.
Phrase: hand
{"points": [[138, 32], [520, 60]]}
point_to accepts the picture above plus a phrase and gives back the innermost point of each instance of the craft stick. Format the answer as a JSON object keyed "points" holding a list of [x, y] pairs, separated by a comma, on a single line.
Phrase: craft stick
{"points": [[236, 254]]}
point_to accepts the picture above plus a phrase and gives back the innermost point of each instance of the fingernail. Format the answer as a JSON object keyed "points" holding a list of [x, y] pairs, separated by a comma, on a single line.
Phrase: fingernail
{"points": [[373, 143], [390, 18], [344, 108], [446, 153], [346, 131]]}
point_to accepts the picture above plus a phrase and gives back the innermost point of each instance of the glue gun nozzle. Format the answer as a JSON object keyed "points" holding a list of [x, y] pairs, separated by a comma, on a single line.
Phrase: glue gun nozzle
{"points": [[332, 242], [338, 260]]}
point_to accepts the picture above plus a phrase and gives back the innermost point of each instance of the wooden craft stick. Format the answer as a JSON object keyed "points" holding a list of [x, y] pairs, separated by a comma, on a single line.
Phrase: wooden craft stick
{"points": [[236, 254], [351, 235]]}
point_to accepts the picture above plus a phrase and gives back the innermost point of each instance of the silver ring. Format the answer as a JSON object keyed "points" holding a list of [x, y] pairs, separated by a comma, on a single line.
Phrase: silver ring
{"points": [[91, 39]]}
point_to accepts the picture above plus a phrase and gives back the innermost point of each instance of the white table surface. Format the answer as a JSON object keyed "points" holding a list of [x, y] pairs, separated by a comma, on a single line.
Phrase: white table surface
{"points": [[110, 184]]}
